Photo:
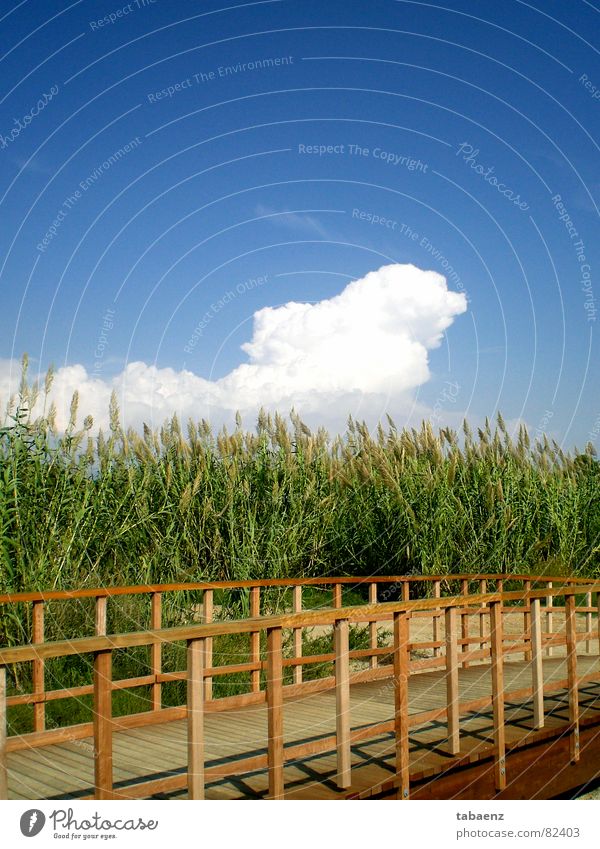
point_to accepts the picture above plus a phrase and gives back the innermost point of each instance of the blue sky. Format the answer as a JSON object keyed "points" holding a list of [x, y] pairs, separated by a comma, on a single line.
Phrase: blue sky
{"points": [[191, 164]]}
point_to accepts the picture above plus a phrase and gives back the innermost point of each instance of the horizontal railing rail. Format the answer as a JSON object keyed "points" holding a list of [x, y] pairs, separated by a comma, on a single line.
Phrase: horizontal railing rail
{"points": [[453, 651]]}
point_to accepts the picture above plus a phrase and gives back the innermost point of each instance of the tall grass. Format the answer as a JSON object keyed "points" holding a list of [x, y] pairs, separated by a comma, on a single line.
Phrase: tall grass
{"points": [[78, 509]]}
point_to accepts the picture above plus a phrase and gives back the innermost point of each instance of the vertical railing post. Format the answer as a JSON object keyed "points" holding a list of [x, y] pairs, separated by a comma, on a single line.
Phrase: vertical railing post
{"points": [[39, 708], [537, 668], [275, 713], [437, 586], [497, 642], [598, 619], [482, 616], [373, 627], [342, 702], [195, 718], [452, 697], [103, 756], [156, 650], [588, 621], [207, 616], [549, 616], [527, 623], [571, 627], [337, 595], [401, 675], [255, 639], [3, 736], [100, 616], [297, 635], [406, 590], [464, 623]]}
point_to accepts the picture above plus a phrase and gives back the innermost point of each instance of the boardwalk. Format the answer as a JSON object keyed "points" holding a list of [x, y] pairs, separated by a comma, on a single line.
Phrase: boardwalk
{"points": [[509, 708], [67, 770]]}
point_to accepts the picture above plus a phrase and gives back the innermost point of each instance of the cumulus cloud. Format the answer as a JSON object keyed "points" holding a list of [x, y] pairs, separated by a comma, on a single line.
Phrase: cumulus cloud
{"points": [[363, 352]]}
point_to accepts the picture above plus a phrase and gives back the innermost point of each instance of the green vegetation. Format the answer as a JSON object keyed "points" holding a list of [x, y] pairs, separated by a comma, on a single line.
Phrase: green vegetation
{"points": [[82, 511], [78, 510]]}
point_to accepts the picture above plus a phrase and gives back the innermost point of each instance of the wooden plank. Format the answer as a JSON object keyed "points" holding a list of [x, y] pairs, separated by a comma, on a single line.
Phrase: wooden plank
{"points": [[588, 621], [527, 622], [3, 736], [373, 626], [498, 695], [452, 693], [549, 617], [255, 639], [571, 626], [297, 634], [39, 709], [137, 589], [275, 713], [482, 619], [103, 756], [537, 670], [207, 615], [464, 620], [156, 650], [342, 702], [437, 650], [401, 703], [100, 616], [195, 719]]}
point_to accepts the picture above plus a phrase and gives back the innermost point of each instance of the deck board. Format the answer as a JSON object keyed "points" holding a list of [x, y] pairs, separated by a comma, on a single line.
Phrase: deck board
{"points": [[67, 769]]}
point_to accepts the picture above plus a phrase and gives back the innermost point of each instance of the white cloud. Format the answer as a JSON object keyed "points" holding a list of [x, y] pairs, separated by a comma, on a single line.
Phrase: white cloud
{"points": [[363, 352]]}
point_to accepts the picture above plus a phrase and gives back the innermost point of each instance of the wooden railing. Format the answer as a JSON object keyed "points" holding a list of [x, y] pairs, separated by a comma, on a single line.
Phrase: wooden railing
{"points": [[458, 648]]}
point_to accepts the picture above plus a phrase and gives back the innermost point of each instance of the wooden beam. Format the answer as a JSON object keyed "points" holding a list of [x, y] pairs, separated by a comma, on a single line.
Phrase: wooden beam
{"points": [[405, 590], [103, 756], [145, 589], [100, 616], [297, 633], [337, 596], [588, 621], [537, 669], [373, 626], [549, 615], [571, 626], [195, 719], [464, 621], [452, 694], [401, 676], [39, 709], [3, 736], [527, 622], [437, 587], [497, 643], [207, 615], [156, 650], [255, 639], [342, 703], [482, 619], [275, 713]]}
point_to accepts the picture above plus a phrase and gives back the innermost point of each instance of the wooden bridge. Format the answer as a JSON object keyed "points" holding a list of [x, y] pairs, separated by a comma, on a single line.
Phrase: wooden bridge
{"points": [[464, 690]]}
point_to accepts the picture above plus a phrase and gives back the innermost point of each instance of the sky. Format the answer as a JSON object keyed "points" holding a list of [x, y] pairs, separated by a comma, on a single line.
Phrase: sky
{"points": [[369, 208]]}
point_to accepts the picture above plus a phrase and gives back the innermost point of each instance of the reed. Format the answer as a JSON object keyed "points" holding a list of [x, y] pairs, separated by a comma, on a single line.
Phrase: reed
{"points": [[178, 504]]}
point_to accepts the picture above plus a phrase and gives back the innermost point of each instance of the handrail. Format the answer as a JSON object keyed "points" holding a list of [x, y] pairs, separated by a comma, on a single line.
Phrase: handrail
{"points": [[322, 616], [453, 612], [137, 589]]}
